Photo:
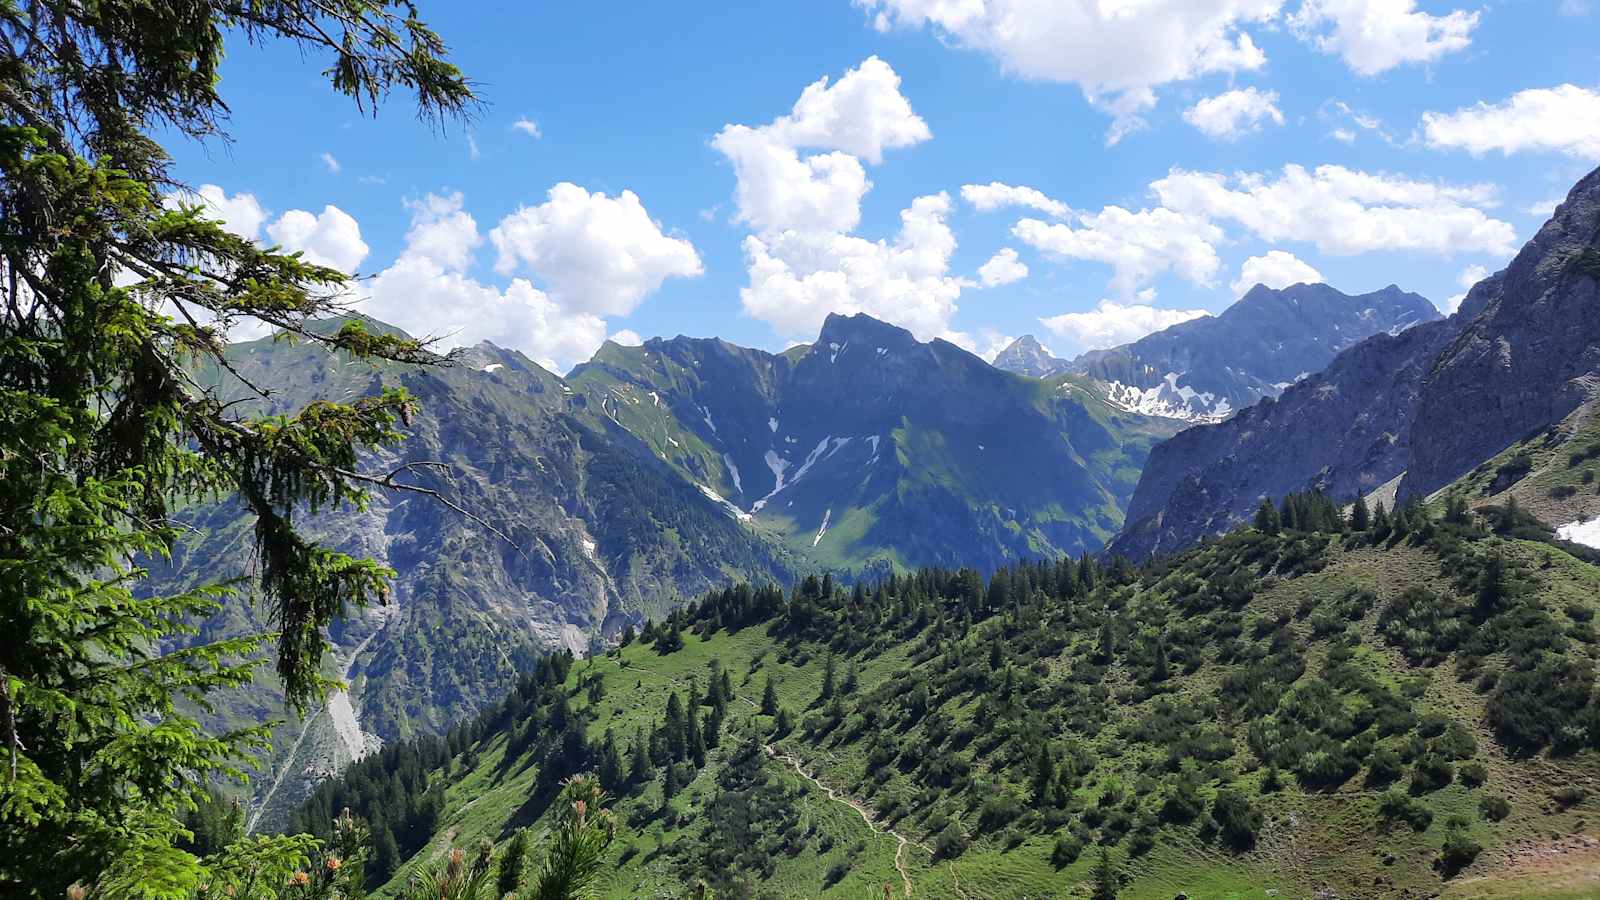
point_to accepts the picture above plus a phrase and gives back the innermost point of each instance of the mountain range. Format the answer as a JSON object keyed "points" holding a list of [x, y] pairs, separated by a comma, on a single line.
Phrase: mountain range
{"points": [[1401, 416], [1209, 368]]}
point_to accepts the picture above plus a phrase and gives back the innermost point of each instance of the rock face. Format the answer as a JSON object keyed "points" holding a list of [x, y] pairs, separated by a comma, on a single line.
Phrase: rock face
{"points": [[1344, 430], [1529, 357], [1425, 406], [1207, 369], [870, 448], [1026, 356]]}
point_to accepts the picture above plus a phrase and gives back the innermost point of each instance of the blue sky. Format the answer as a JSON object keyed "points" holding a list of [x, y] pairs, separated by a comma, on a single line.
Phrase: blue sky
{"points": [[1171, 149]]}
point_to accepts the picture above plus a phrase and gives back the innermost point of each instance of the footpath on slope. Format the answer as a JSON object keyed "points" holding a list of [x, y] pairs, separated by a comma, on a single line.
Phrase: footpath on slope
{"points": [[837, 797]]}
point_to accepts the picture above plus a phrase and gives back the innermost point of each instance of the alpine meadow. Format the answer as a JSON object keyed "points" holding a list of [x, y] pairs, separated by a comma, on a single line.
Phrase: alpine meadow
{"points": [[996, 450]]}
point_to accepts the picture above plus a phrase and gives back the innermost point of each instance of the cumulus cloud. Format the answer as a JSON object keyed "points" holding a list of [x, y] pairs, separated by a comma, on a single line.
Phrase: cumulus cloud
{"points": [[798, 277], [1111, 324], [442, 230], [1469, 276], [331, 238], [1116, 53], [1544, 209], [998, 195], [1277, 269], [527, 126], [857, 117], [1374, 36], [1002, 268], [626, 337], [1344, 211], [1564, 119], [1229, 115], [1139, 246], [597, 254], [241, 214]]}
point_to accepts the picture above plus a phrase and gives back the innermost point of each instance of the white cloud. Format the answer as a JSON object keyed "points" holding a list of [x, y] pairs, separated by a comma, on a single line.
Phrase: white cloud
{"points": [[1469, 276], [527, 126], [1116, 53], [1373, 36], [987, 344], [1277, 269], [427, 291], [596, 254], [442, 230], [331, 238], [1544, 209], [473, 153], [1344, 211], [1112, 324], [1229, 115], [797, 277], [857, 117], [1349, 123], [998, 195], [1002, 268], [241, 214], [1564, 119], [1139, 246], [330, 163], [627, 337]]}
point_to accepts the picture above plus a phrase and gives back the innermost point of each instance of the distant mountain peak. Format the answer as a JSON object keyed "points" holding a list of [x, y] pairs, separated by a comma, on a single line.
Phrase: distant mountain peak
{"points": [[1026, 356]]}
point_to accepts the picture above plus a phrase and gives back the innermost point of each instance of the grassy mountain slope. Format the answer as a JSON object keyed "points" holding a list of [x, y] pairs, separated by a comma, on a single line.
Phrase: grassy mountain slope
{"points": [[869, 448], [599, 535], [1290, 713]]}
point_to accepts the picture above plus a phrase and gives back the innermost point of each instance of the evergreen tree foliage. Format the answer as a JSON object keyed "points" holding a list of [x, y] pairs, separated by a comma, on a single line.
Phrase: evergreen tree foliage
{"points": [[118, 291]]}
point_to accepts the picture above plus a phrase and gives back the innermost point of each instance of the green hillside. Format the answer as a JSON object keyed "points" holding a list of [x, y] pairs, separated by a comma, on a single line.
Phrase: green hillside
{"points": [[1400, 712]]}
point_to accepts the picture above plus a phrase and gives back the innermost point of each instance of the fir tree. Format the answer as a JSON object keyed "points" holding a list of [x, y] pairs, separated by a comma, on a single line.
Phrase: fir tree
{"points": [[117, 294], [1268, 520], [1360, 516], [827, 678], [769, 698], [1105, 881], [513, 864]]}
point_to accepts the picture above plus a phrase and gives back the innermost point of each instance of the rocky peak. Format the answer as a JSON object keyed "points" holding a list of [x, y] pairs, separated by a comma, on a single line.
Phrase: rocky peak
{"points": [[1529, 355], [1026, 356]]}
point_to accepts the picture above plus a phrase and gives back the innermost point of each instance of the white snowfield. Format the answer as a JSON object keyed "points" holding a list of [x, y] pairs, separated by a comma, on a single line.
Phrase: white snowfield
{"points": [[1586, 533]]}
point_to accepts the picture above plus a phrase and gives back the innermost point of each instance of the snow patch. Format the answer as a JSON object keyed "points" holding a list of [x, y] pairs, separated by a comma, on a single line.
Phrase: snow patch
{"points": [[772, 425], [837, 349], [709, 424], [1582, 532], [589, 547], [826, 515], [733, 472], [1167, 399], [673, 442], [656, 397], [493, 367], [722, 501], [779, 466]]}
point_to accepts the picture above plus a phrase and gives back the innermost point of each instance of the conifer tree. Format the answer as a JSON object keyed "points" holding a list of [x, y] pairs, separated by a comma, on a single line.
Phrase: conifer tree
{"points": [[769, 698], [1267, 520], [1105, 881], [675, 730], [611, 774], [640, 770], [118, 292], [513, 864], [828, 667], [1360, 516]]}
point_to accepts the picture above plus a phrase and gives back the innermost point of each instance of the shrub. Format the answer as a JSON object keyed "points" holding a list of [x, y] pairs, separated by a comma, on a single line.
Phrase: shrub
{"points": [[1384, 768], [1494, 808], [1237, 821], [1066, 852], [950, 843], [1458, 852], [1474, 774], [1431, 773], [836, 874], [1569, 796], [1395, 806]]}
